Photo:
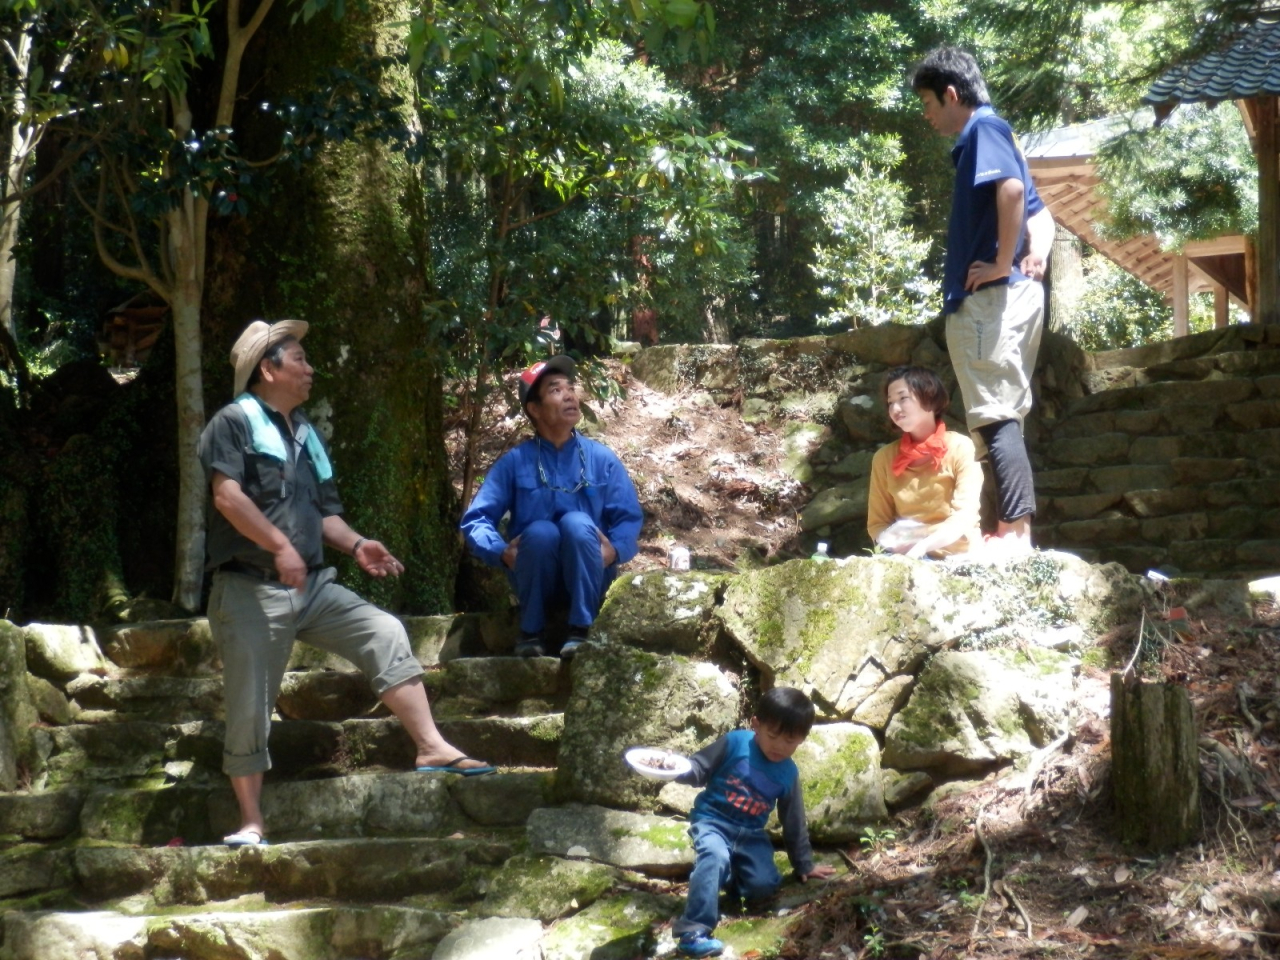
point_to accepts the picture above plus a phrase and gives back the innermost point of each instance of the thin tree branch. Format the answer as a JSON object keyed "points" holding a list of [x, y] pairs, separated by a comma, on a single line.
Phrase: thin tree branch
{"points": [[512, 228], [146, 276]]}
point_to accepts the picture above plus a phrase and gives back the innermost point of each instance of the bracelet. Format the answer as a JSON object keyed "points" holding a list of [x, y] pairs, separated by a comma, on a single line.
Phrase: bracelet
{"points": [[357, 545]]}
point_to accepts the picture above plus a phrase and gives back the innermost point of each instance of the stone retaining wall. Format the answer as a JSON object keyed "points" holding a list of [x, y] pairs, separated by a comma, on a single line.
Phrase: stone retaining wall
{"points": [[1159, 456]]}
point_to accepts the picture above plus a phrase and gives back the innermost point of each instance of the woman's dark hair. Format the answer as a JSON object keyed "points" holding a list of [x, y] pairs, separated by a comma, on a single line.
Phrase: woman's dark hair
{"points": [[925, 386], [275, 353], [945, 67], [787, 711]]}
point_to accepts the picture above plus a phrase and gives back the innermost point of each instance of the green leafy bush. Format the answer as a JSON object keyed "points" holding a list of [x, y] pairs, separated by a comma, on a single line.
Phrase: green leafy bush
{"points": [[870, 264]]}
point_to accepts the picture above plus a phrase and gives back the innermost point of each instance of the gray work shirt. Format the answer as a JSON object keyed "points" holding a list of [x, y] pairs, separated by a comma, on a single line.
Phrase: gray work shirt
{"points": [[289, 494]]}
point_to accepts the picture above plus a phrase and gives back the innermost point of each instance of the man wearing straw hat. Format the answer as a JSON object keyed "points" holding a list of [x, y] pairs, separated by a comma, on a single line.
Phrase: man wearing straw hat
{"points": [[274, 508]]}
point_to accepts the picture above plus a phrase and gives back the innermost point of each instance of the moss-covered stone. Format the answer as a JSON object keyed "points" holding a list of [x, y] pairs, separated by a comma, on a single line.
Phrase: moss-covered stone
{"points": [[180, 647], [840, 775], [635, 841], [658, 610], [546, 888], [840, 629], [970, 711], [623, 697], [617, 927], [17, 711]]}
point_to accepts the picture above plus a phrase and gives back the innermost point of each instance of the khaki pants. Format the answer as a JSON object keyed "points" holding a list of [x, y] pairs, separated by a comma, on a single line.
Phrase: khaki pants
{"points": [[255, 623], [993, 339]]}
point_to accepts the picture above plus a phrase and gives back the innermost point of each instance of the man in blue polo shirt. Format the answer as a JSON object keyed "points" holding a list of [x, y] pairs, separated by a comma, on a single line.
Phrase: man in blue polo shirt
{"points": [[998, 241], [574, 514]]}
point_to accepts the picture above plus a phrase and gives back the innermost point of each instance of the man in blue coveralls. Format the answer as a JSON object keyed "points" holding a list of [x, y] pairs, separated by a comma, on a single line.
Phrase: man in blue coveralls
{"points": [[998, 241], [574, 514]]}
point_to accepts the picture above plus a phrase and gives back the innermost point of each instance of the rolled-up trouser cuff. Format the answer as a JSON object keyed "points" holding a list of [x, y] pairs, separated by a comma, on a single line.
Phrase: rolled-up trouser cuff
{"points": [[397, 673], [246, 765]]}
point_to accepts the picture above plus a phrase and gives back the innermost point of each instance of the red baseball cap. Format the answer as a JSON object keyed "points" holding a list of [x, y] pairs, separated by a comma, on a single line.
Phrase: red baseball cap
{"points": [[557, 364]]}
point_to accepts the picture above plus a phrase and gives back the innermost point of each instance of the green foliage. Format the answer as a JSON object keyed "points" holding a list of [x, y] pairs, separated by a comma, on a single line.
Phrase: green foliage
{"points": [[804, 84], [873, 839], [1048, 63], [871, 267], [1118, 310], [575, 207], [1193, 178]]}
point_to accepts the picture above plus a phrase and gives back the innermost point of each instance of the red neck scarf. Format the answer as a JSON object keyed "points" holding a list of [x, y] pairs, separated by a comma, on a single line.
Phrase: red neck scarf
{"points": [[931, 449]]}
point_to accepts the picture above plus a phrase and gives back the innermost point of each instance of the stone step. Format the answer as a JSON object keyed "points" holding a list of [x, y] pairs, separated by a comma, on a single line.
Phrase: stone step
{"points": [[392, 804], [367, 805], [140, 753], [1234, 339], [1193, 401], [461, 688], [185, 648], [353, 871], [244, 929], [1253, 364]]}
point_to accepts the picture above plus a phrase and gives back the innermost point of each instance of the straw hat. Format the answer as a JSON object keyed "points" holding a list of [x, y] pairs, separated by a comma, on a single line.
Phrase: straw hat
{"points": [[253, 344]]}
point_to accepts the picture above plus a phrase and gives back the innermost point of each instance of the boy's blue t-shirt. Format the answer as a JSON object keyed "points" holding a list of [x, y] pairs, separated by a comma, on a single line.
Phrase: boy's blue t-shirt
{"points": [[747, 785], [742, 786], [984, 154]]}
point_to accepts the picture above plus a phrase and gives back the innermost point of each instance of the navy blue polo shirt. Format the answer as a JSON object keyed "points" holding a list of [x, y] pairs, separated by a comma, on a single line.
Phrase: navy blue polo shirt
{"points": [[984, 154]]}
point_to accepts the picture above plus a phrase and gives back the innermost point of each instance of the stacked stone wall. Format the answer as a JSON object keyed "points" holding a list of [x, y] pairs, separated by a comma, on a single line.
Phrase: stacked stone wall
{"points": [[1160, 456]]}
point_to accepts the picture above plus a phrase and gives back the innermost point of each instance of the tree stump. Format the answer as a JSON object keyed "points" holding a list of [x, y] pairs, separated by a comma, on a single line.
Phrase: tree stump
{"points": [[1155, 770]]}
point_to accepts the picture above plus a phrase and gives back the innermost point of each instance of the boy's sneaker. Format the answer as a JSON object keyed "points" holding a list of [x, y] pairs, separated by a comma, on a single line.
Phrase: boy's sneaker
{"points": [[699, 945]]}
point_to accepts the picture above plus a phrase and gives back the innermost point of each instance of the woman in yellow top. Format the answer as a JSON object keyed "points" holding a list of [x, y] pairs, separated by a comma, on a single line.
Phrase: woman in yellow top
{"points": [[925, 488]]}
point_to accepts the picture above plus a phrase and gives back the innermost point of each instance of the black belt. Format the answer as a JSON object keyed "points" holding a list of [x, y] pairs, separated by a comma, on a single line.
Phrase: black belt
{"points": [[235, 566], [258, 573]]}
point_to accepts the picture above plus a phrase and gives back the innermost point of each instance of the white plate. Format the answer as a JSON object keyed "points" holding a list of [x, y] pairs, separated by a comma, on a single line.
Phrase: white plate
{"points": [[679, 765]]}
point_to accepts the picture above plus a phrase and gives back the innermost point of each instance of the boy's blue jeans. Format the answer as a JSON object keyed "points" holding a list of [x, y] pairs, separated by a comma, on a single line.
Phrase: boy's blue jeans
{"points": [[726, 856]]}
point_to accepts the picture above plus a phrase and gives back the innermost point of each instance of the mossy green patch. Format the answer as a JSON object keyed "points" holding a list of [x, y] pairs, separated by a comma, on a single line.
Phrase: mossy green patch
{"points": [[834, 777], [928, 716]]}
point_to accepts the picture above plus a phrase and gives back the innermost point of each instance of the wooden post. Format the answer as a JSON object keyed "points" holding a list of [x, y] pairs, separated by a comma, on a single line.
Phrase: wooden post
{"points": [[1181, 297], [1264, 117], [1155, 770], [1221, 307]]}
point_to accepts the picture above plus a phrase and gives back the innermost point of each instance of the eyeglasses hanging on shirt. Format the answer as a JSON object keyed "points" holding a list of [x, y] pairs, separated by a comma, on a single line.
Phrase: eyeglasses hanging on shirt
{"points": [[582, 483]]}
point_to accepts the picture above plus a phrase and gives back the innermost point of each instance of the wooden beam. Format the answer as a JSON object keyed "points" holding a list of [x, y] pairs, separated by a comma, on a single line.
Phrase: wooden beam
{"points": [[1215, 247], [1221, 307], [1268, 310]]}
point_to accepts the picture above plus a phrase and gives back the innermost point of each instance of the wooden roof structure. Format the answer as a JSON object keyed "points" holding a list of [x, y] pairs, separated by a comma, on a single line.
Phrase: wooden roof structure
{"points": [[1066, 176], [1245, 69]]}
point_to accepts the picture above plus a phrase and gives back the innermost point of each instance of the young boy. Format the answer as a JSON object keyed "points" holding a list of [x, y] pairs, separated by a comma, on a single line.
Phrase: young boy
{"points": [[998, 239], [745, 773]]}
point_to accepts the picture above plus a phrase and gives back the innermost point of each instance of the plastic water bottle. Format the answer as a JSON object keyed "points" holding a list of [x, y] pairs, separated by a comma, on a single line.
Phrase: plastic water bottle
{"points": [[821, 553]]}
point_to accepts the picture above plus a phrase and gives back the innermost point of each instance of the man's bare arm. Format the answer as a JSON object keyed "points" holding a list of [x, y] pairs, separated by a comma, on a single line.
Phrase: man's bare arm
{"points": [[242, 513], [1009, 204], [1040, 234], [373, 558]]}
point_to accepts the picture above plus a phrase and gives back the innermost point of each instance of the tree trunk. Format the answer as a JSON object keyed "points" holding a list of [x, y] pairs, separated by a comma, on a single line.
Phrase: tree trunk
{"points": [[188, 575], [17, 155], [1066, 281], [1155, 770], [343, 245]]}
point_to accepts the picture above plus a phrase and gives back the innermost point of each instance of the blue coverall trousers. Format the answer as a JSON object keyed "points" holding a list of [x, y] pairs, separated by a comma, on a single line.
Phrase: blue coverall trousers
{"points": [[559, 559]]}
